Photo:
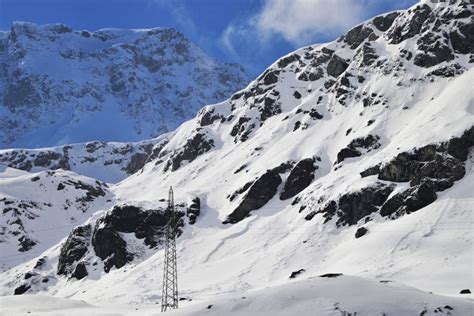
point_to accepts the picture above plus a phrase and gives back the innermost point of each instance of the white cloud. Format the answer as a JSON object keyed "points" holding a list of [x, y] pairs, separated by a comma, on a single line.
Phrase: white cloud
{"points": [[299, 20]]}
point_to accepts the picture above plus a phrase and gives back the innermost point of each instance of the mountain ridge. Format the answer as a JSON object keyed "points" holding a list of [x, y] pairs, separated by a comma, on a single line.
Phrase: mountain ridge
{"points": [[62, 86]]}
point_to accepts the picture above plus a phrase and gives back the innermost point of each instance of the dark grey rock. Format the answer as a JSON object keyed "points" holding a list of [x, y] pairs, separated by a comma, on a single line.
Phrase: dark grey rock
{"points": [[137, 161], [285, 61], [194, 210], [383, 22], [328, 211], [240, 190], [330, 275], [294, 274], [355, 206], [270, 77], [369, 55], [459, 147], [370, 171], [261, 191], [22, 289], [369, 142], [239, 127], [74, 248], [432, 50], [448, 71], [409, 201], [110, 247], [80, 271], [299, 178], [26, 243], [45, 159], [270, 108], [91, 192], [401, 32], [314, 114], [347, 153], [401, 169], [361, 231], [462, 39], [207, 117], [336, 66], [40, 263], [441, 168], [357, 35], [194, 147]]}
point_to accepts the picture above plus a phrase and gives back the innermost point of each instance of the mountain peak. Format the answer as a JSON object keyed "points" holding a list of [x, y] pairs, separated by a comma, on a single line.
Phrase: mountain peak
{"points": [[59, 85]]}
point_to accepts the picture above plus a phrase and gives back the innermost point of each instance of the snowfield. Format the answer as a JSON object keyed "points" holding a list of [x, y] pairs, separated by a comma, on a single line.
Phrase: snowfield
{"points": [[353, 157], [312, 296]]}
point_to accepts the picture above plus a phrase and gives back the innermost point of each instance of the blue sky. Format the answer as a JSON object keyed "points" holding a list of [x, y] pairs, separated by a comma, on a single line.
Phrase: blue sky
{"points": [[253, 33]]}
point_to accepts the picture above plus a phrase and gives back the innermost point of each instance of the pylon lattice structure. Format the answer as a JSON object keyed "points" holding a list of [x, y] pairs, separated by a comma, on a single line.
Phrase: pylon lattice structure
{"points": [[169, 297]]}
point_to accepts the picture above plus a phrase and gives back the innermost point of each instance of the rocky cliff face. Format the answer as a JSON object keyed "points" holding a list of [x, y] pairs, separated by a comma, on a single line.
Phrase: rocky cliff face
{"points": [[59, 85]]}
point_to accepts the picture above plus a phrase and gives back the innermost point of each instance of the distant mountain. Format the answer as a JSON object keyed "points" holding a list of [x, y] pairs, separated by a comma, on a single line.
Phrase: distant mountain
{"points": [[60, 86]]}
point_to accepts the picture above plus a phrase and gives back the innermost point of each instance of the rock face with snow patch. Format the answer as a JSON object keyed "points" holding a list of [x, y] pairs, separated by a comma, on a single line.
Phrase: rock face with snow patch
{"points": [[428, 169], [259, 193], [34, 205], [73, 249], [106, 238], [299, 178]]}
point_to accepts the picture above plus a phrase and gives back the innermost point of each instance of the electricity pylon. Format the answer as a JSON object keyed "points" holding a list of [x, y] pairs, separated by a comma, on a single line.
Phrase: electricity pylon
{"points": [[169, 297]]}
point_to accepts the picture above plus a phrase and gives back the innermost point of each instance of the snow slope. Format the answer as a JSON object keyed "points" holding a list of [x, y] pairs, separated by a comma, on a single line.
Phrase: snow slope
{"points": [[38, 209], [313, 296], [350, 157], [60, 86]]}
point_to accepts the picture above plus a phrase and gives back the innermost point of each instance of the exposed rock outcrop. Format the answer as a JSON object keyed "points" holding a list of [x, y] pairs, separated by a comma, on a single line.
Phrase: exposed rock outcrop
{"points": [[74, 249], [261, 191], [193, 148], [358, 146], [361, 231], [299, 178], [194, 210], [107, 241], [428, 169]]}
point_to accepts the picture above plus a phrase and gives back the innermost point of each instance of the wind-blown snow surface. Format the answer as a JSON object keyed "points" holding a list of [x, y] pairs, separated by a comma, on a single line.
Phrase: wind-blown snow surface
{"points": [[60, 86], [277, 168]]}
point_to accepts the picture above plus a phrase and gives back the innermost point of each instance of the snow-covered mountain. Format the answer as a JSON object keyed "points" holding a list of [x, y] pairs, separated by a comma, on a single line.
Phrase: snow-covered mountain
{"points": [[350, 157], [105, 161], [39, 208], [59, 86]]}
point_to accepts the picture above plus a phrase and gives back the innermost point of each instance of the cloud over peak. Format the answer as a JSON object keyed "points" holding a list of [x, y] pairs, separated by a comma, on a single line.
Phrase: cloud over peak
{"points": [[300, 20]]}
